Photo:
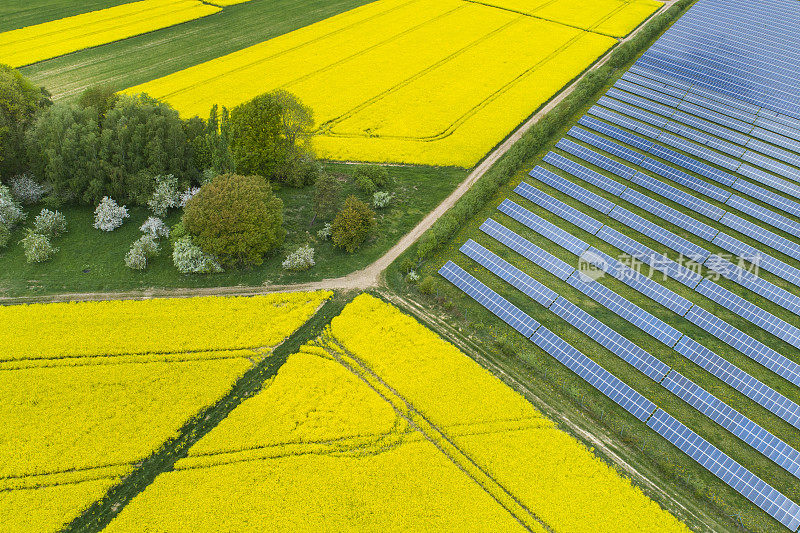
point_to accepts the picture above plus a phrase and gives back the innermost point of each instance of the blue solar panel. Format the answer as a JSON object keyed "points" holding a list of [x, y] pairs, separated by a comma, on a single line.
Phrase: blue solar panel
{"points": [[700, 151], [772, 218], [711, 128], [587, 175], [740, 380], [636, 280], [633, 112], [576, 191], [508, 272], [774, 241], [653, 84], [650, 94], [732, 473], [625, 122], [626, 350], [773, 151], [768, 197], [527, 249], [761, 259], [492, 301], [557, 207], [770, 180], [744, 116], [616, 133], [657, 233], [746, 344], [678, 196], [594, 374], [604, 144], [760, 286], [687, 180], [688, 163], [777, 167], [650, 257], [638, 101], [717, 118], [776, 138], [543, 227], [692, 225], [756, 436], [750, 311], [625, 309], [590, 156]]}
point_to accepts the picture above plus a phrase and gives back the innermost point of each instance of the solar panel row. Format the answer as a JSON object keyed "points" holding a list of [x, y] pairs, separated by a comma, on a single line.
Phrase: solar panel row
{"points": [[678, 196], [492, 301], [673, 216], [567, 212], [634, 314], [762, 260], [620, 346], [748, 280], [765, 215], [569, 188], [580, 171], [740, 380], [543, 227], [657, 233], [527, 249], [746, 344], [597, 376], [508, 272], [754, 231], [768, 197], [732, 473], [596, 159], [649, 287], [735, 422], [750, 311]]}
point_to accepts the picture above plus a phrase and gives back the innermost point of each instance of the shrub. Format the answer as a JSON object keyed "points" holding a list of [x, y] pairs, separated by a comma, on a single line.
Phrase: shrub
{"points": [[237, 219], [352, 225], [141, 250], [190, 259], [327, 196], [325, 232], [165, 196], [50, 223], [366, 185], [381, 199], [376, 174], [37, 247], [300, 259], [108, 216], [427, 285], [26, 189], [187, 195], [10, 211], [5, 235], [155, 227]]}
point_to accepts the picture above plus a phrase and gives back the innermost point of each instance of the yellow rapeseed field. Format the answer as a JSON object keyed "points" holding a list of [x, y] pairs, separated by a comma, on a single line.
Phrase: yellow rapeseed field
{"points": [[412, 81], [52, 39], [153, 326], [85, 398], [610, 17], [381, 425]]}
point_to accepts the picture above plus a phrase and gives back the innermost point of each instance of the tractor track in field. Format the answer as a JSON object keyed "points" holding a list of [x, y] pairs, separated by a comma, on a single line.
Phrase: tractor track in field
{"points": [[370, 276]]}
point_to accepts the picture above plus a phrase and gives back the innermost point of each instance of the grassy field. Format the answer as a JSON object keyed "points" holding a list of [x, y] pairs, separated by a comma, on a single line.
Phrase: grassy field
{"points": [[674, 468], [15, 14], [92, 260], [147, 57]]}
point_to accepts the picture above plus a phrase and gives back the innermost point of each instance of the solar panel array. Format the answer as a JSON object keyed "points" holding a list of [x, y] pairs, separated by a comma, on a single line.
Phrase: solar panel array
{"points": [[702, 138]]}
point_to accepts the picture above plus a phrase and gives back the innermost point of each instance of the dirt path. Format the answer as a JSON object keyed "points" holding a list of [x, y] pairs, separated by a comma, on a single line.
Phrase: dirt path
{"points": [[368, 277]]}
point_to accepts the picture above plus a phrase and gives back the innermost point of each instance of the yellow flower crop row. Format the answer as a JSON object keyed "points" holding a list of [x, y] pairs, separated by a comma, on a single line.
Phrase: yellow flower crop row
{"points": [[381, 425], [52, 39], [227, 2], [153, 326], [67, 434], [610, 17], [412, 81]]}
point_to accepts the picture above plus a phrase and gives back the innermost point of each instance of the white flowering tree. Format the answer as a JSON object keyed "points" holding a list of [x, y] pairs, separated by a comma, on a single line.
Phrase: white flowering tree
{"points": [[108, 216], [190, 259], [300, 259], [50, 223]]}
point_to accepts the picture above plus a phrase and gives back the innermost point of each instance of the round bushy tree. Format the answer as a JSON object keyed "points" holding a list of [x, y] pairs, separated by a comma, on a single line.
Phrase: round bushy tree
{"points": [[236, 219], [352, 225]]}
